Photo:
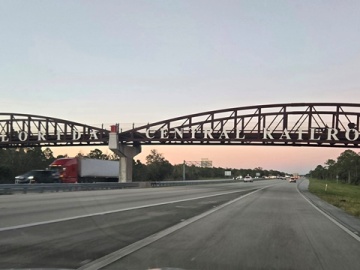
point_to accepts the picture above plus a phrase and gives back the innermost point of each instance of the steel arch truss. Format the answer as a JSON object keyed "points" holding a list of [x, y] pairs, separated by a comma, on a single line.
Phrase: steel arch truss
{"points": [[293, 124], [23, 130]]}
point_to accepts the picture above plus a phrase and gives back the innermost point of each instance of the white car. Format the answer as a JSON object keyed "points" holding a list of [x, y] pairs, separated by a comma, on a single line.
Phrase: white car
{"points": [[292, 180], [248, 178]]}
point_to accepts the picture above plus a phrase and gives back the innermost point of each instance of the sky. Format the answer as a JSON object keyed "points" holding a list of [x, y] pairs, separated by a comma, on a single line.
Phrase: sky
{"points": [[105, 62]]}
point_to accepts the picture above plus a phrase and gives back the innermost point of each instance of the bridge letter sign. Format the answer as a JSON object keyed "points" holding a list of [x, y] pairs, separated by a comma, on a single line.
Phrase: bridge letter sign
{"points": [[294, 124], [266, 135], [21, 130]]}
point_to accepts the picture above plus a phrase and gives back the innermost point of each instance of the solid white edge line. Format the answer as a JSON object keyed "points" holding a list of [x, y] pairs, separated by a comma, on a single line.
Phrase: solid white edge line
{"points": [[356, 237], [111, 212], [116, 255]]}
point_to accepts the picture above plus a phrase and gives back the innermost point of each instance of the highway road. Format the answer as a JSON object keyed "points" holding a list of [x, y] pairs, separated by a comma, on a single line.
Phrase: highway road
{"points": [[25, 209], [261, 225]]}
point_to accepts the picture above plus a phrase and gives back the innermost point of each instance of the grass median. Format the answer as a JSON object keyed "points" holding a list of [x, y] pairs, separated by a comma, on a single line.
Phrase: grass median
{"points": [[344, 196]]}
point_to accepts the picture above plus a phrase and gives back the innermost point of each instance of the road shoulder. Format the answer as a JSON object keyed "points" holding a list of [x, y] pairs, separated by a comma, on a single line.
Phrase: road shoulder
{"points": [[350, 222]]}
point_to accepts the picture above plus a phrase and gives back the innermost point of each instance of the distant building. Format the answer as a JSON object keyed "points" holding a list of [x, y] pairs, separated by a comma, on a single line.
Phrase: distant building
{"points": [[206, 163]]}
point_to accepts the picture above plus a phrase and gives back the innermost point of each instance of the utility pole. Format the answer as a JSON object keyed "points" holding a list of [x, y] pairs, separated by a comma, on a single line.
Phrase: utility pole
{"points": [[184, 165]]}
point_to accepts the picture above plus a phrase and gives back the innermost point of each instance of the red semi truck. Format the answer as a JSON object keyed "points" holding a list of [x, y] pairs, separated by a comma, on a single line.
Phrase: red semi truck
{"points": [[86, 170]]}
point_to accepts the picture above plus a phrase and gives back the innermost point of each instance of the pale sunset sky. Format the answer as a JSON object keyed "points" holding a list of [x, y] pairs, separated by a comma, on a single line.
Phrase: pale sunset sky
{"points": [[120, 61]]}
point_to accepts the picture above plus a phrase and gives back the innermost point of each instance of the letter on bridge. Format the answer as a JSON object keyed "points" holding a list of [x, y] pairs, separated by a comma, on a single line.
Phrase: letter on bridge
{"points": [[267, 134]]}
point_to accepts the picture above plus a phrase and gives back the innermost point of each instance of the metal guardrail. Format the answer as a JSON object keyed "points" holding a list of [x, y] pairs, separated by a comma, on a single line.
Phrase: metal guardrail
{"points": [[189, 182], [41, 188]]}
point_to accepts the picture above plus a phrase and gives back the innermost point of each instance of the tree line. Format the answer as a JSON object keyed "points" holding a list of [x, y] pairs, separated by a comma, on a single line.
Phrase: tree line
{"points": [[16, 161], [345, 168], [157, 168]]}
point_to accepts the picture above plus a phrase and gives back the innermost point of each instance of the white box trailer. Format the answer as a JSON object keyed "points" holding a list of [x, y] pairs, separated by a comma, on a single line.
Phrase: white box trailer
{"points": [[98, 168]]}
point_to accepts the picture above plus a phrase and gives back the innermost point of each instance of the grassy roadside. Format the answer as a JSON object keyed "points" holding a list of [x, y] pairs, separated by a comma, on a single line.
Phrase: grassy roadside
{"points": [[344, 196]]}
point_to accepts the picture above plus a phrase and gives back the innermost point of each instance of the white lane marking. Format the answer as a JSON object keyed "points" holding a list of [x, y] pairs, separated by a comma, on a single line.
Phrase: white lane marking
{"points": [[329, 217], [116, 255], [112, 211]]}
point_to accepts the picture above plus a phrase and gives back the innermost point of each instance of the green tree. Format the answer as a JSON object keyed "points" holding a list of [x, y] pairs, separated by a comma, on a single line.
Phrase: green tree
{"points": [[139, 171], [158, 167], [80, 155], [49, 155], [16, 161], [319, 172], [5, 175], [331, 168], [113, 157], [97, 154], [348, 165]]}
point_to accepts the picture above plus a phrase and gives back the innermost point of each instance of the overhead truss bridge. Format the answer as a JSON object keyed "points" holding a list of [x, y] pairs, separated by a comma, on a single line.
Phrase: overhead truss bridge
{"points": [[290, 124]]}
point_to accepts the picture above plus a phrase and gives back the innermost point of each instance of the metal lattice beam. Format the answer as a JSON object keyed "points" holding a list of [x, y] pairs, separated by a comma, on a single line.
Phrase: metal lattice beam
{"points": [[297, 124], [24, 130]]}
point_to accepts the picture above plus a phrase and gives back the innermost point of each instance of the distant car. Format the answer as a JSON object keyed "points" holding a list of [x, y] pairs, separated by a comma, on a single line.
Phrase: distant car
{"points": [[38, 176], [292, 180], [248, 178]]}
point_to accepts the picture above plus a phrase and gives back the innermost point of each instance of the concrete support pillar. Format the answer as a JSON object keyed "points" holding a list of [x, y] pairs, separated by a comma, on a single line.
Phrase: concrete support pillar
{"points": [[126, 154]]}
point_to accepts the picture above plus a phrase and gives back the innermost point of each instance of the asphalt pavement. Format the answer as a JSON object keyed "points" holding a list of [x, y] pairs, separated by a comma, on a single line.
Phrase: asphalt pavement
{"points": [[274, 228], [26, 209], [260, 225], [30, 237]]}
